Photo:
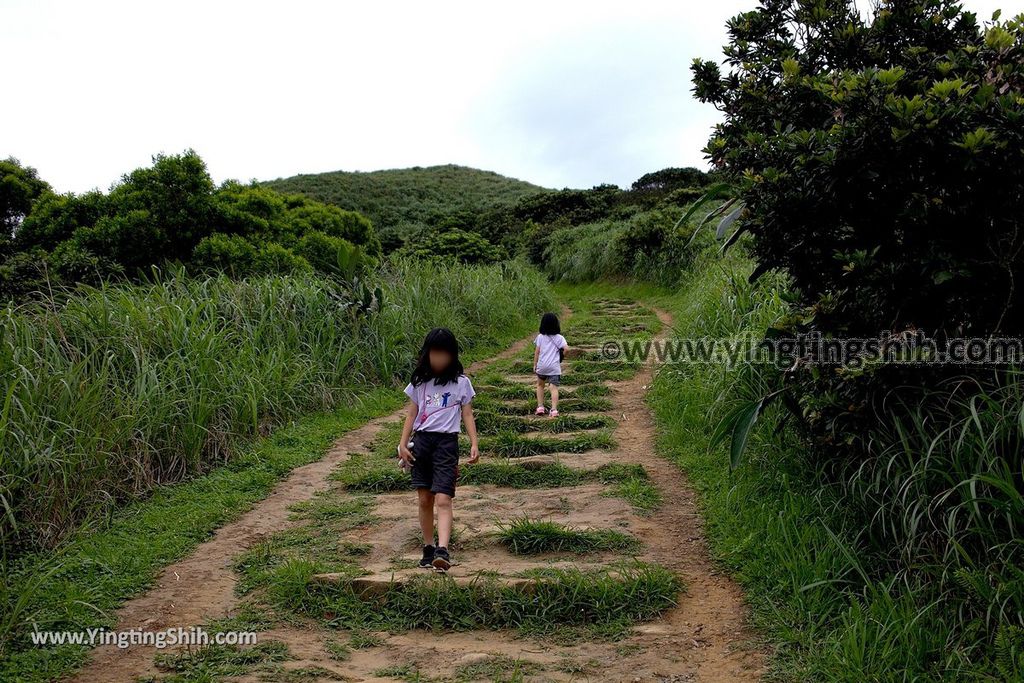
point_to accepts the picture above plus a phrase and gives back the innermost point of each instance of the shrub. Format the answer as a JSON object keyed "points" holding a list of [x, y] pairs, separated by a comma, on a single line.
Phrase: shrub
{"points": [[308, 216], [468, 247], [231, 254], [272, 258], [880, 162], [170, 213], [331, 255], [55, 217], [20, 186]]}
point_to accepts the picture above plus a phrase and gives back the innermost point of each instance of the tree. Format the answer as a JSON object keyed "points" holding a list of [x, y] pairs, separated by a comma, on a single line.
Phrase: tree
{"points": [[467, 247], [880, 164], [668, 179], [176, 194], [20, 186], [56, 217]]}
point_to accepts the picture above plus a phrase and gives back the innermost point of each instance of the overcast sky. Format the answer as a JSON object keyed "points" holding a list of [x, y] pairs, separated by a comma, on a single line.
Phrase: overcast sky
{"points": [[563, 94]]}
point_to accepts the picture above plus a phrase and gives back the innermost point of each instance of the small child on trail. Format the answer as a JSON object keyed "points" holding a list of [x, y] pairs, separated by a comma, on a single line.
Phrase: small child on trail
{"points": [[547, 359], [440, 396]]}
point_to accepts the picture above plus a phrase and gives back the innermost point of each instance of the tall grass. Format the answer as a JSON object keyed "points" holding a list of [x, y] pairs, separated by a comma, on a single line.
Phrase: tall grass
{"points": [[903, 566], [109, 392]]}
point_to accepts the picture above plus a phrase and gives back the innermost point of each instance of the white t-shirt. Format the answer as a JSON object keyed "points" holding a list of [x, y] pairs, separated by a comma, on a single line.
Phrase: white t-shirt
{"points": [[547, 360], [439, 406]]}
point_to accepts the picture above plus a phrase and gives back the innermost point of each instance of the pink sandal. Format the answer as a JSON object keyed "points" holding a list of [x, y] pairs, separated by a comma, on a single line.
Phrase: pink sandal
{"points": [[553, 413], [540, 410]]}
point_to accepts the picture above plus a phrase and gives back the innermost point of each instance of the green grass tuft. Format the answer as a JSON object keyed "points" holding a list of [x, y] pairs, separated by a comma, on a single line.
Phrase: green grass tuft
{"points": [[524, 536], [512, 445], [217, 662], [608, 599]]}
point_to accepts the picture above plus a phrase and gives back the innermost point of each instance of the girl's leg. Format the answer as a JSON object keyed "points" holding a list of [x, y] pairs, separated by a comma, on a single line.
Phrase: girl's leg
{"points": [[444, 519], [554, 397], [426, 512], [540, 393]]}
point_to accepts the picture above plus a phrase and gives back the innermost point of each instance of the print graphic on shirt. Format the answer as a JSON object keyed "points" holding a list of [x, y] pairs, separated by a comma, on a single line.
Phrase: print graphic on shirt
{"points": [[438, 405], [437, 399]]}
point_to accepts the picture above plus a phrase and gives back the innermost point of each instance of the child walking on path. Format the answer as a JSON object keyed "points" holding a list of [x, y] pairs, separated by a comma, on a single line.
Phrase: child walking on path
{"points": [[547, 360], [440, 398]]}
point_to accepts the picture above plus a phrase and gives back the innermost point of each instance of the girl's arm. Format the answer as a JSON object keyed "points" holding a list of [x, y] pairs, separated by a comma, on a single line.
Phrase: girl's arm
{"points": [[474, 444], [536, 356], [403, 446]]}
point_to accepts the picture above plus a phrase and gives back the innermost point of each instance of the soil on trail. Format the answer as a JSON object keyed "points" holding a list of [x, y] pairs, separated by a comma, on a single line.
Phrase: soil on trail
{"points": [[705, 637]]}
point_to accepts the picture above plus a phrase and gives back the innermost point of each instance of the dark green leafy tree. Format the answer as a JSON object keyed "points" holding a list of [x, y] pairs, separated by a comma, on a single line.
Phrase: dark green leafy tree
{"points": [[171, 204], [170, 213], [20, 186], [56, 217], [468, 247], [668, 179], [880, 164]]}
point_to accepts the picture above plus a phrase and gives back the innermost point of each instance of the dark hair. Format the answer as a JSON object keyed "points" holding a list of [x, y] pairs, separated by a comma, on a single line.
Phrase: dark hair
{"points": [[441, 339], [549, 324]]}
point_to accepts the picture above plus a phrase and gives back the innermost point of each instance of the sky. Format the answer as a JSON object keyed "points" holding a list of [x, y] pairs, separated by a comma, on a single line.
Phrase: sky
{"points": [[562, 94]]}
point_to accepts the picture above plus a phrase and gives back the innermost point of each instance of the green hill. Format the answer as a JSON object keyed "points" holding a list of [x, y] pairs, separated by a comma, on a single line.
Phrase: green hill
{"points": [[399, 201]]}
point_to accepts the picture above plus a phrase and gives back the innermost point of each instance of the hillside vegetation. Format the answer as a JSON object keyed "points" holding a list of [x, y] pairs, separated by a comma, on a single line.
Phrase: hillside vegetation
{"points": [[165, 215], [400, 202]]}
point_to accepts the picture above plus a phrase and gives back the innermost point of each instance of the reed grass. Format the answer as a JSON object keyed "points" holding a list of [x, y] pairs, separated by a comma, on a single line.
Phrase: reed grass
{"points": [[110, 392]]}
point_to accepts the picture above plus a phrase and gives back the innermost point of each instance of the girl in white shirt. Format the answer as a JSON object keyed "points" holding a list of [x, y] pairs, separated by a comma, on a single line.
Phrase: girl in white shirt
{"points": [[547, 360], [440, 401]]}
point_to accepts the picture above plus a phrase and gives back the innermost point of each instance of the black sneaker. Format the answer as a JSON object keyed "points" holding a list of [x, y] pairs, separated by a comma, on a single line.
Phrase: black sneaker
{"points": [[428, 557], [441, 559]]}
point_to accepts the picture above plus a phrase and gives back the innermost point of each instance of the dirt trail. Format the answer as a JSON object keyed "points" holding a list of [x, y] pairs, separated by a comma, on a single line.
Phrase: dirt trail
{"points": [[201, 586], [704, 638]]}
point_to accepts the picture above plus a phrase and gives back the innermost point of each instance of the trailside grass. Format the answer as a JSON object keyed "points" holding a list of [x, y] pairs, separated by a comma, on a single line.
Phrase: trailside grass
{"points": [[831, 610], [81, 585]]}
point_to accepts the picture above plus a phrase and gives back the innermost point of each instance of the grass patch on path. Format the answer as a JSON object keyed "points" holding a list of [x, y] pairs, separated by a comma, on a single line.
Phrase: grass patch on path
{"points": [[610, 600], [524, 536]]}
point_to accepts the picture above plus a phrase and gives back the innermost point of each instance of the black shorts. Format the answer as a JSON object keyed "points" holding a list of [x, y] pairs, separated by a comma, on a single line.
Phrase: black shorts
{"points": [[437, 461]]}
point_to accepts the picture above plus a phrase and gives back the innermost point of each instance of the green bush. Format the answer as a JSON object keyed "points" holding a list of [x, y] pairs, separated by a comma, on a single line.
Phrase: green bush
{"points": [[468, 247], [172, 213], [307, 216], [55, 217], [880, 164], [901, 565], [327, 254], [646, 246], [231, 254], [20, 186]]}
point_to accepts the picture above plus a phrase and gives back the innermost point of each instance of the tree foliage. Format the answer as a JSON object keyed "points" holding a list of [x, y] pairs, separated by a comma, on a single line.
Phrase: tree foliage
{"points": [[20, 186], [171, 212], [880, 161]]}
